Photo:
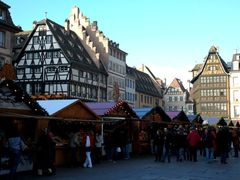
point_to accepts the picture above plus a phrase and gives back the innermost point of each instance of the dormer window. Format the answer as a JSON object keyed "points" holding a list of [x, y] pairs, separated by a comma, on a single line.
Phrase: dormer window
{"points": [[2, 15], [20, 40], [42, 31]]}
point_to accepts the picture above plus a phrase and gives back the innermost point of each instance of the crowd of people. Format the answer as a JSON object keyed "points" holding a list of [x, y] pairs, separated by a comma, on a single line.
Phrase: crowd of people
{"points": [[168, 143], [186, 142]]}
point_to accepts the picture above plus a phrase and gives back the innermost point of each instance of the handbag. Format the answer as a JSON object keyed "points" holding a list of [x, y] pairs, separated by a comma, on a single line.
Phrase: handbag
{"points": [[118, 149]]}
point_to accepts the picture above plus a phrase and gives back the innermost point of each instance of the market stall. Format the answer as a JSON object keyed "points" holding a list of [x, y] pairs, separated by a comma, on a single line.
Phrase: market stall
{"points": [[120, 122], [181, 118], [151, 121], [18, 110], [69, 116]]}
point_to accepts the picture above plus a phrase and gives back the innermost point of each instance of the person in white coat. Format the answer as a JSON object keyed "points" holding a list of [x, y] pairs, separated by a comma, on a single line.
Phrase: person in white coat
{"points": [[88, 161]]}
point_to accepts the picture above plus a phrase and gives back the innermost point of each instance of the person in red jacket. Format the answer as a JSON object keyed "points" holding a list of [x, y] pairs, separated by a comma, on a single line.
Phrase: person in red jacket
{"points": [[193, 139]]}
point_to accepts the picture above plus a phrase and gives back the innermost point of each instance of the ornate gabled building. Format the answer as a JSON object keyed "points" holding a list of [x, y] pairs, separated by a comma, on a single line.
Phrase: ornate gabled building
{"points": [[211, 87], [53, 63], [101, 49], [176, 97], [235, 87], [7, 30], [147, 94]]}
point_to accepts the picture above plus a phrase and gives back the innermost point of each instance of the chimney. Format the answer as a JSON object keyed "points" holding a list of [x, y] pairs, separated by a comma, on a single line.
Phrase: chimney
{"points": [[143, 68], [34, 24], [94, 25], [66, 25]]}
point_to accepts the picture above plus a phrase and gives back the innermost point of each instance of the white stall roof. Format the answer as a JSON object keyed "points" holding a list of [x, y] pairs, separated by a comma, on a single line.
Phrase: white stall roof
{"points": [[52, 106]]}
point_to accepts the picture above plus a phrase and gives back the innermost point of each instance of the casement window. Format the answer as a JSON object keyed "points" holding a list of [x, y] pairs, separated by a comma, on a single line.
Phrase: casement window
{"points": [[36, 55], [20, 71], [63, 68], [37, 88], [29, 55], [48, 55], [42, 31], [49, 39], [51, 69], [2, 14], [2, 39], [35, 40], [56, 54]]}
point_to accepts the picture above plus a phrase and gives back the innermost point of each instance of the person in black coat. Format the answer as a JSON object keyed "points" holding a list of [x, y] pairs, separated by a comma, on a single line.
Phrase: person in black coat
{"points": [[158, 144], [223, 143]]}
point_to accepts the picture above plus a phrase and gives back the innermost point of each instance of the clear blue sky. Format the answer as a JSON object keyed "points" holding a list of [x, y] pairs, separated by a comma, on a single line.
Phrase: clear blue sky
{"points": [[169, 36]]}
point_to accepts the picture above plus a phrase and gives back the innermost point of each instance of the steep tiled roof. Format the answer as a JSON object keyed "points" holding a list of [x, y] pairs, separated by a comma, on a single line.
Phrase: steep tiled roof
{"points": [[197, 67], [71, 46], [120, 109], [213, 50], [144, 83], [8, 23], [176, 83]]}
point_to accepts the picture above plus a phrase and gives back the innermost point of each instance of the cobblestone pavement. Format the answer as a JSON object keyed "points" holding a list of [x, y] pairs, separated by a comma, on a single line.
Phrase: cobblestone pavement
{"points": [[144, 168]]}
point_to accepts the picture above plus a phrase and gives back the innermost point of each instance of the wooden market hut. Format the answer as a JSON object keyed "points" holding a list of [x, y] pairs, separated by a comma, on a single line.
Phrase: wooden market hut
{"points": [[237, 125], [18, 109], [197, 121], [69, 116], [119, 120], [157, 115], [156, 118], [150, 122], [230, 124], [181, 118], [221, 122]]}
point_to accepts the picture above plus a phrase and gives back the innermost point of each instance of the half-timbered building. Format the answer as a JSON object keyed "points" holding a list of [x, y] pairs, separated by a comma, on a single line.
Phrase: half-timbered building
{"points": [[211, 87], [53, 63]]}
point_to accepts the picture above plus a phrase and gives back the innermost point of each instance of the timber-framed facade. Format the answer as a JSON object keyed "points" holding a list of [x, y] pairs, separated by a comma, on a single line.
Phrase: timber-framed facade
{"points": [[54, 63], [211, 87]]}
